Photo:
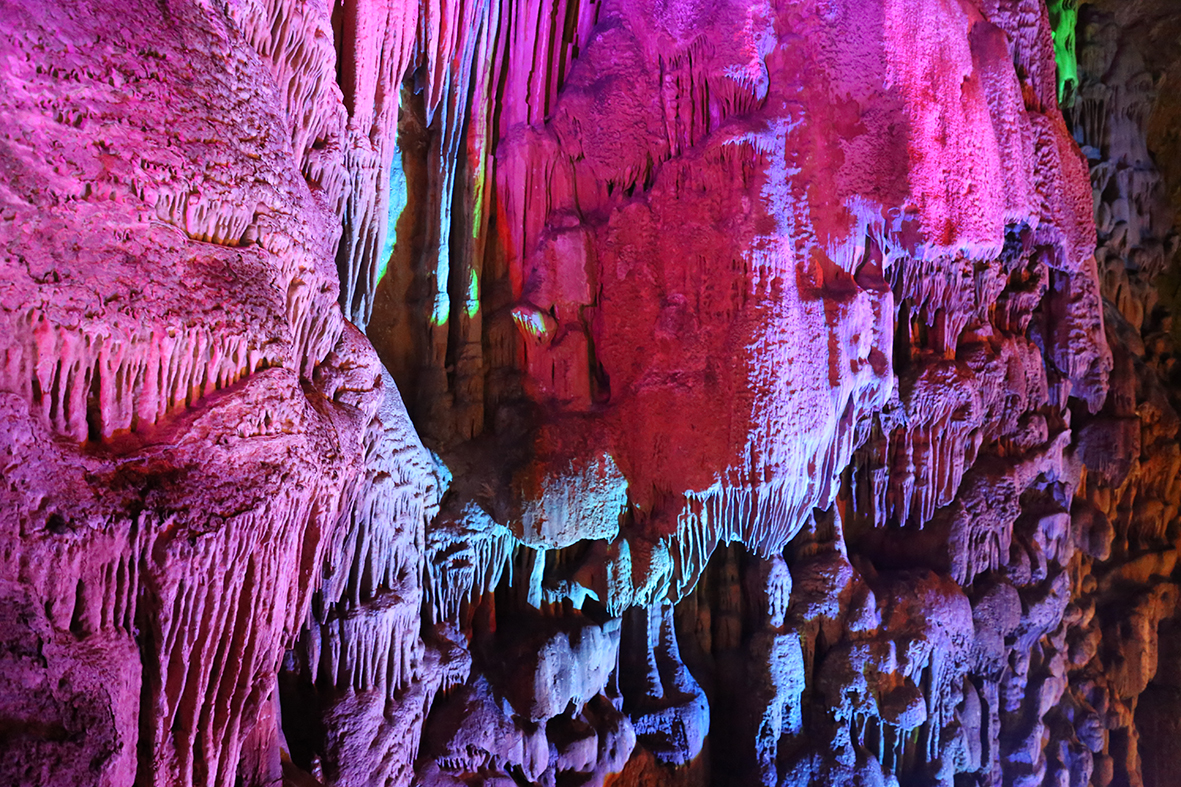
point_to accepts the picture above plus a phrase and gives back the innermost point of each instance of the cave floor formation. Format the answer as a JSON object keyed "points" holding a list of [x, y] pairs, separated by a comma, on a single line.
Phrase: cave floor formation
{"points": [[590, 392]]}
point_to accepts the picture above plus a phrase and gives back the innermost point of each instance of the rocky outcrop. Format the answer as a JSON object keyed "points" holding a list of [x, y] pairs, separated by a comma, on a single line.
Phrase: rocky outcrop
{"points": [[193, 436]]}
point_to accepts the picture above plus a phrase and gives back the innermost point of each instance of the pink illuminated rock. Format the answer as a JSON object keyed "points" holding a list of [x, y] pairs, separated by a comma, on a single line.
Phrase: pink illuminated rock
{"points": [[186, 412], [587, 392]]}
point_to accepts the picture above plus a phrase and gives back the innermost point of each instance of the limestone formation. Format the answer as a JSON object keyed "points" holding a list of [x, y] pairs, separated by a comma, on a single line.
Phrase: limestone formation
{"points": [[587, 392]]}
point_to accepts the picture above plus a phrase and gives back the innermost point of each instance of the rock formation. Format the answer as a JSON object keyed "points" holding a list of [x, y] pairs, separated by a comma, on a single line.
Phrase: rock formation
{"points": [[577, 392]]}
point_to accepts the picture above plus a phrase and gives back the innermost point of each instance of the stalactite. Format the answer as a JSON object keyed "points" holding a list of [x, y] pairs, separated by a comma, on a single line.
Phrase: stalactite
{"points": [[771, 413]]}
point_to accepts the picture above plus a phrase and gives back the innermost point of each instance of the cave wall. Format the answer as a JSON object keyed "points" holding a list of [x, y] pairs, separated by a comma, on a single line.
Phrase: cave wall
{"points": [[589, 392]]}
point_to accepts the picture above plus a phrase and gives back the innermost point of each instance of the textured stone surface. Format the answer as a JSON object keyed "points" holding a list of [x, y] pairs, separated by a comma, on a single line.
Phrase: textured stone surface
{"points": [[588, 392]]}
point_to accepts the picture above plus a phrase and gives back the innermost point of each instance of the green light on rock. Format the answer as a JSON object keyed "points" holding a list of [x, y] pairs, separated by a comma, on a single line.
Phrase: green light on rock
{"points": [[473, 294], [1063, 20]]}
